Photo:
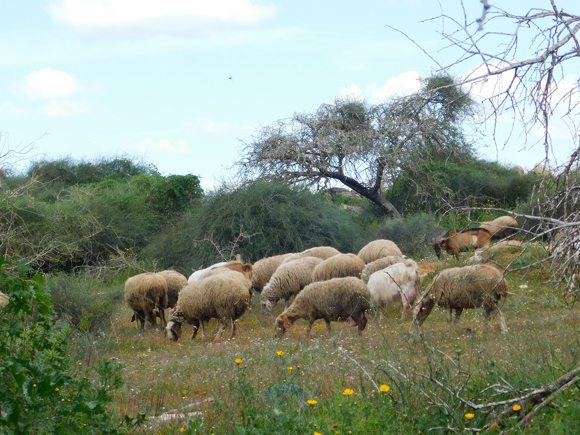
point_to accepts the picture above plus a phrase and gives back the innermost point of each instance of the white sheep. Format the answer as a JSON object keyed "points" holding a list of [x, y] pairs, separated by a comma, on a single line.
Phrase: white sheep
{"points": [[322, 252], [380, 248], [4, 299], [398, 284], [146, 295], [381, 263], [243, 272], [336, 299], [501, 227], [220, 297], [462, 288], [338, 266], [288, 280]]}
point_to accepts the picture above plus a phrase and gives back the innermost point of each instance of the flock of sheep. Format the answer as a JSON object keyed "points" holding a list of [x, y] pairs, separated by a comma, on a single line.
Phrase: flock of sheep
{"points": [[325, 284]]}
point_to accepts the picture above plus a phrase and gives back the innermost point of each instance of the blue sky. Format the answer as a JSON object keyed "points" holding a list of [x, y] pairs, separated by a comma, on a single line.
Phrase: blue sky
{"points": [[151, 79]]}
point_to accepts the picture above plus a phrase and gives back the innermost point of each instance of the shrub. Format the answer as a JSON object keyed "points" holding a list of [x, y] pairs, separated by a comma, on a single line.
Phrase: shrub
{"points": [[413, 234], [41, 390], [257, 220]]}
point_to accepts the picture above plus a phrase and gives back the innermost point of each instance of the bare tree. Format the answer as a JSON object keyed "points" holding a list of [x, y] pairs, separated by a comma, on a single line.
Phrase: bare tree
{"points": [[361, 146], [526, 63]]}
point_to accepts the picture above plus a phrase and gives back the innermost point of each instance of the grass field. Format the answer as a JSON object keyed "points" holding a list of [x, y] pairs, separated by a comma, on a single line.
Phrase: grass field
{"points": [[257, 384]]}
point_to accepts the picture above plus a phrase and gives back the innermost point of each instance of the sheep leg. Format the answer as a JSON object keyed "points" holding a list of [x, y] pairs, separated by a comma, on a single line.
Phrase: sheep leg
{"points": [[161, 313], [449, 317], [233, 328], [195, 328], [327, 326], [458, 312], [308, 328], [494, 309], [220, 330]]}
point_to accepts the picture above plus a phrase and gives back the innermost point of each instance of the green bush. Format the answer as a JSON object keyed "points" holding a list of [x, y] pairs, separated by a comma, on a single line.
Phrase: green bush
{"points": [[41, 389], [413, 234], [437, 184], [257, 220]]}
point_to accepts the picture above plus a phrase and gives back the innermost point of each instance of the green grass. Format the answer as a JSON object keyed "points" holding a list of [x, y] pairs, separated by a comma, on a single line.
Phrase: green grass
{"points": [[261, 395]]}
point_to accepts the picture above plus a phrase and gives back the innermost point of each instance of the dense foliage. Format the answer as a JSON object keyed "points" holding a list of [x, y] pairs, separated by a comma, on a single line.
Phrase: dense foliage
{"points": [[256, 220], [41, 390]]}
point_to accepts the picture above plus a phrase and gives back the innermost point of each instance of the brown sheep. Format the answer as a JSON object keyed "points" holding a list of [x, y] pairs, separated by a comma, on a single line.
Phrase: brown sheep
{"points": [[463, 241], [146, 295], [378, 249], [243, 272], [462, 288], [338, 266], [336, 299]]}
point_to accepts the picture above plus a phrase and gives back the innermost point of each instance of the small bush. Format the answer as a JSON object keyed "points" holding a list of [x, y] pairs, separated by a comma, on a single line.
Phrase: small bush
{"points": [[414, 234]]}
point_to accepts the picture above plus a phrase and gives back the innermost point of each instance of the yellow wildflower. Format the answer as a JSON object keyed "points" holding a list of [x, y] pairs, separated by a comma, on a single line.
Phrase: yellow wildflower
{"points": [[384, 388], [239, 361], [56, 389], [290, 369], [182, 430], [469, 415], [317, 433], [494, 426], [312, 402], [347, 392], [516, 407], [280, 352]]}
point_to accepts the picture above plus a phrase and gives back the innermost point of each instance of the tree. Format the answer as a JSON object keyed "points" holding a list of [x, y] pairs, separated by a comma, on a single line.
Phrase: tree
{"points": [[532, 58], [362, 146]]}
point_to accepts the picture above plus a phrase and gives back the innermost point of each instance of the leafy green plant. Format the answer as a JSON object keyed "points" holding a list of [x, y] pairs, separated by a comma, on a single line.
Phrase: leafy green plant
{"points": [[41, 391]]}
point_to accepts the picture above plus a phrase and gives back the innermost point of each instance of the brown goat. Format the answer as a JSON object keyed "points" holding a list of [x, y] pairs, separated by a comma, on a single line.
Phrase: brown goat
{"points": [[457, 242]]}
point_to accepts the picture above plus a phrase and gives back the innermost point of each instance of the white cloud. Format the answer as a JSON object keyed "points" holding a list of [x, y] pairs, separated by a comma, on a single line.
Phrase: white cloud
{"points": [[49, 83], [152, 16], [403, 84], [162, 146]]}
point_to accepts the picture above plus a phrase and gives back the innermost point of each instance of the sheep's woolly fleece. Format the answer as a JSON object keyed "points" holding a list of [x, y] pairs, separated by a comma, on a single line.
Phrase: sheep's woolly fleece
{"points": [[338, 266], [336, 299], [145, 293], [322, 252], [378, 249], [217, 297], [264, 269], [288, 280], [175, 282], [381, 263]]}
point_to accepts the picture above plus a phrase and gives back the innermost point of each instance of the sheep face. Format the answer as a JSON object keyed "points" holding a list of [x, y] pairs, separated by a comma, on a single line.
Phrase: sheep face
{"points": [[422, 310], [359, 320], [173, 330], [268, 305], [282, 324]]}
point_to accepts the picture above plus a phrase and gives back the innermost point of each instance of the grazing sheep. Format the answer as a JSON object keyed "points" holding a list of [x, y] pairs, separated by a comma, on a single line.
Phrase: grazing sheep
{"points": [[501, 228], [243, 272], [322, 252], [288, 280], [378, 249], [146, 295], [175, 282], [457, 242], [461, 288], [264, 269], [338, 266], [381, 263], [399, 283], [219, 297], [336, 299], [4, 299], [198, 274]]}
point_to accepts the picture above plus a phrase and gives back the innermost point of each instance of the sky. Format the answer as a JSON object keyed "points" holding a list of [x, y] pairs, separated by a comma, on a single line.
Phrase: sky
{"points": [[180, 84]]}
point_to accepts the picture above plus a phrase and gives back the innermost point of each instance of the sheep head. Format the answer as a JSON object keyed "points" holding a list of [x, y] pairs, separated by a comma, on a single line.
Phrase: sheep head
{"points": [[282, 324], [173, 330], [422, 310]]}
